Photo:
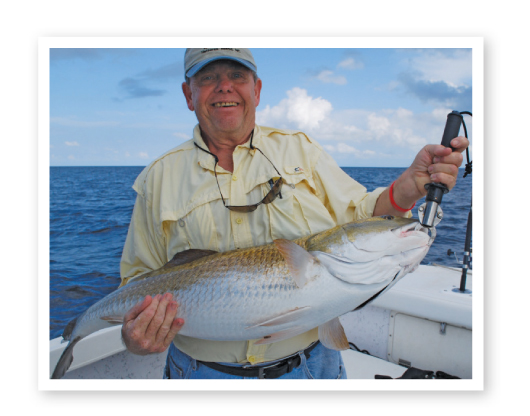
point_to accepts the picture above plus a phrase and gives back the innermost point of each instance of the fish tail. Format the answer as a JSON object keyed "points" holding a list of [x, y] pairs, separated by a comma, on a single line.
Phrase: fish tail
{"points": [[66, 359]]}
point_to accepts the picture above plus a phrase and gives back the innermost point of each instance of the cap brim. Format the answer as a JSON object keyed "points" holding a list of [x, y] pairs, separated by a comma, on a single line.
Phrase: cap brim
{"points": [[197, 67]]}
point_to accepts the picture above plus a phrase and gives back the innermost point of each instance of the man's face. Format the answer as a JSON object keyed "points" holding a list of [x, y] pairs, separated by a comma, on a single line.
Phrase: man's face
{"points": [[224, 97]]}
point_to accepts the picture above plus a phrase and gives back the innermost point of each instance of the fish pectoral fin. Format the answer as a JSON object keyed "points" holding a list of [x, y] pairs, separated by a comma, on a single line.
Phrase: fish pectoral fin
{"points": [[113, 319], [332, 335], [280, 335], [301, 264], [289, 316]]}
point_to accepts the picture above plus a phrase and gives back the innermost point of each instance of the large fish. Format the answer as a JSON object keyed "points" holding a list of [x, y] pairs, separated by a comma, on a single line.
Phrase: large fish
{"points": [[271, 292]]}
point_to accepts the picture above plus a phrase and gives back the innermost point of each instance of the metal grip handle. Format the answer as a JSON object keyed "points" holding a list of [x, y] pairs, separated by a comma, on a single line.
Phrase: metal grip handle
{"points": [[452, 128]]}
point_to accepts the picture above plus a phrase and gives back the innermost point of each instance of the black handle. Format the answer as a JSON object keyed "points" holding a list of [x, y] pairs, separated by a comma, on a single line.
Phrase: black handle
{"points": [[452, 128]]}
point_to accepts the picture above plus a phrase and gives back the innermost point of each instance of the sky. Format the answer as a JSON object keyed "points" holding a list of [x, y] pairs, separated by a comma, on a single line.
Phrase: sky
{"points": [[366, 106]]}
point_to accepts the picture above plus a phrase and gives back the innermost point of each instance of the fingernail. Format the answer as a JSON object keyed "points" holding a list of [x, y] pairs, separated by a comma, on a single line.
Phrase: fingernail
{"points": [[180, 322], [436, 159], [430, 168]]}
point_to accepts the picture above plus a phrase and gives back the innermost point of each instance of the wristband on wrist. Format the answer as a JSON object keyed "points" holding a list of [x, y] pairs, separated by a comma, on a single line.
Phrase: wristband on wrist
{"points": [[396, 206]]}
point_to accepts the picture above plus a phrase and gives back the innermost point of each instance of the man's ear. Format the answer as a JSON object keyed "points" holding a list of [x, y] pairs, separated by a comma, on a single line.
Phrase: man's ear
{"points": [[187, 93], [257, 91]]}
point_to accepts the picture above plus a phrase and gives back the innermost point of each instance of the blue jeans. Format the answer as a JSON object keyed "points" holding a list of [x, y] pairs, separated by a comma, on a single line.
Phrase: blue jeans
{"points": [[323, 363]]}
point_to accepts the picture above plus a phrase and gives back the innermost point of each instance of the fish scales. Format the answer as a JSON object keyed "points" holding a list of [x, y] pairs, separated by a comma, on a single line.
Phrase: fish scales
{"points": [[271, 292]]}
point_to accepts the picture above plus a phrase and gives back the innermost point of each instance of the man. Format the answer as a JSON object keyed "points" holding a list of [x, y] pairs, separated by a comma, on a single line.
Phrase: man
{"points": [[194, 197]]}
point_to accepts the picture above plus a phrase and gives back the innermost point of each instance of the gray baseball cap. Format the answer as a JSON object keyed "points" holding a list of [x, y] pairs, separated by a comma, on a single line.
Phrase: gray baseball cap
{"points": [[197, 58]]}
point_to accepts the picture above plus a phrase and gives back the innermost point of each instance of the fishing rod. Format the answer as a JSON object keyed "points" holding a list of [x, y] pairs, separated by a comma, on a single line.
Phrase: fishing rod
{"points": [[430, 213]]}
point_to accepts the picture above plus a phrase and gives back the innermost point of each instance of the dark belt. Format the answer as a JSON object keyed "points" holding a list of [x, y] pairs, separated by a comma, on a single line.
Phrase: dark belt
{"points": [[268, 371]]}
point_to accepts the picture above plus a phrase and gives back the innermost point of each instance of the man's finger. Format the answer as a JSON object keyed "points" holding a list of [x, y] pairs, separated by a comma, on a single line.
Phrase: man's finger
{"points": [[157, 317], [176, 326], [137, 309], [171, 312]]}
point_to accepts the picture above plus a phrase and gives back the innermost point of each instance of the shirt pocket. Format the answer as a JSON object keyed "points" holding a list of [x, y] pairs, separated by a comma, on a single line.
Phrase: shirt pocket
{"points": [[293, 215], [195, 228]]}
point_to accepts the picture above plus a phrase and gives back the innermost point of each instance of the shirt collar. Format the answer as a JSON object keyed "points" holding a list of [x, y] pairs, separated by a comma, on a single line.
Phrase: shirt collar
{"points": [[207, 161]]}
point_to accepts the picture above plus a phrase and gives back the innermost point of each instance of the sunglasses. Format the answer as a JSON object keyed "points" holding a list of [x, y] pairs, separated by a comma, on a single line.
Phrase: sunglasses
{"points": [[276, 186]]}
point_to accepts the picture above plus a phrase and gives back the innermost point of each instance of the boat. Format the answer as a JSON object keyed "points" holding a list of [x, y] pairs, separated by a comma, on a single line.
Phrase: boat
{"points": [[422, 326]]}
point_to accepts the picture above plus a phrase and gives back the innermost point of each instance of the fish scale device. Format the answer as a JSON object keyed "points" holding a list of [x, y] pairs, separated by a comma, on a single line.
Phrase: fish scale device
{"points": [[430, 213]]}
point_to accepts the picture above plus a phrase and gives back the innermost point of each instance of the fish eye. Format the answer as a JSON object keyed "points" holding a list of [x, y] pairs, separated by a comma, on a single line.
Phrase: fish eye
{"points": [[388, 217]]}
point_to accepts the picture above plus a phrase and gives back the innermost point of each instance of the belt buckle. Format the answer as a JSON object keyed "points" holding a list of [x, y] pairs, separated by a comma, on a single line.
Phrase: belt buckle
{"points": [[261, 370]]}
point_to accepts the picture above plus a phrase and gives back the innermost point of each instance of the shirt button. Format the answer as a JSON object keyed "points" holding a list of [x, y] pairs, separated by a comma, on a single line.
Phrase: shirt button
{"points": [[234, 177], [239, 220]]}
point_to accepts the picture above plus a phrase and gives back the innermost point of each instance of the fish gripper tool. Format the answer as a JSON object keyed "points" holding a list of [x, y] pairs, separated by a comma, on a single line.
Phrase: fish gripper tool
{"points": [[430, 213]]}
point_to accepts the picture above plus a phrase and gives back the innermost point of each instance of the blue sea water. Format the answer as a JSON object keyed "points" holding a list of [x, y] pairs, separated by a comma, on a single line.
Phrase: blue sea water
{"points": [[90, 210]]}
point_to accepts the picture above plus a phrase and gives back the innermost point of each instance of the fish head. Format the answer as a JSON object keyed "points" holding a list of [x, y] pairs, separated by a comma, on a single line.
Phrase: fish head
{"points": [[366, 250]]}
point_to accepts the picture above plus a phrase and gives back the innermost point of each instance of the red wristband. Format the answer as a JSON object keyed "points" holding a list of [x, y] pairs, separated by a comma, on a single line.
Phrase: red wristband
{"points": [[396, 206]]}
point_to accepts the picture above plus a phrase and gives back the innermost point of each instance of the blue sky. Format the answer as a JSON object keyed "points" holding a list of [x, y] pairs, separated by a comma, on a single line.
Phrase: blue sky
{"points": [[366, 106]]}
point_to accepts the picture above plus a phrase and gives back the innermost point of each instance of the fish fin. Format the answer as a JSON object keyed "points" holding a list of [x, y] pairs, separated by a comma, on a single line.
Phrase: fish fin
{"points": [[69, 328], [113, 319], [284, 318], [332, 335], [66, 359], [299, 261], [178, 259], [280, 336], [188, 256]]}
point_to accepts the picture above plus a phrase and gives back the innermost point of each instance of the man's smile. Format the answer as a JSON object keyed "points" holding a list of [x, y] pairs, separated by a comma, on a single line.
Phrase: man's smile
{"points": [[228, 104]]}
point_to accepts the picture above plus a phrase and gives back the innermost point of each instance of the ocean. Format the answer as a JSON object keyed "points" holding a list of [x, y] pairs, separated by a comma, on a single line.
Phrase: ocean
{"points": [[90, 210]]}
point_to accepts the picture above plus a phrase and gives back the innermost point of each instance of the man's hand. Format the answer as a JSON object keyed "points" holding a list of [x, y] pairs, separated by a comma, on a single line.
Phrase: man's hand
{"points": [[150, 325], [434, 163]]}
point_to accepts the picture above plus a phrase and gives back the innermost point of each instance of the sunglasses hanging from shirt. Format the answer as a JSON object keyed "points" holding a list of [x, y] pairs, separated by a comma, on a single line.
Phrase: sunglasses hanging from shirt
{"points": [[276, 186]]}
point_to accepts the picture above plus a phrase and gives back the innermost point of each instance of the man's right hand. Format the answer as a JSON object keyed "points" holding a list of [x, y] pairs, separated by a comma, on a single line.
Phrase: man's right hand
{"points": [[150, 326]]}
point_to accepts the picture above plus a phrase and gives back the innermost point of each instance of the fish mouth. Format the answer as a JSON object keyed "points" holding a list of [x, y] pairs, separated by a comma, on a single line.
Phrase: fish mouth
{"points": [[414, 229]]}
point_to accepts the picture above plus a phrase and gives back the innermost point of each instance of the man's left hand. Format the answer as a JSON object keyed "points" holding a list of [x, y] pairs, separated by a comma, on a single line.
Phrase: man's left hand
{"points": [[434, 163]]}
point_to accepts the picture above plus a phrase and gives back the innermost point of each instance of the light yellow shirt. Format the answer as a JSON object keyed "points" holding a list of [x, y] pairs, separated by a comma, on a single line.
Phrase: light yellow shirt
{"points": [[178, 207]]}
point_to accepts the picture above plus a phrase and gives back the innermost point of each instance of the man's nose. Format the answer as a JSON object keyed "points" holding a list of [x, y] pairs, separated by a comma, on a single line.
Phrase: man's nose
{"points": [[224, 84]]}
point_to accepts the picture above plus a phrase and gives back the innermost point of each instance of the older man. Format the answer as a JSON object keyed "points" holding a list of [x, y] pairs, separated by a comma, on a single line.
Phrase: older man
{"points": [[217, 192]]}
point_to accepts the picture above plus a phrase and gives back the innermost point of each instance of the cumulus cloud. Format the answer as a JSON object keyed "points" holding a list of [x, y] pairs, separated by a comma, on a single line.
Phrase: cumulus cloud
{"points": [[143, 155], [315, 116], [71, 143], [298, 110]]}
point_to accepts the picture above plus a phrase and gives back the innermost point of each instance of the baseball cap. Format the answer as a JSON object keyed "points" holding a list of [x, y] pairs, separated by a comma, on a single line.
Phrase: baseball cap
{"points": [[197, 58]]}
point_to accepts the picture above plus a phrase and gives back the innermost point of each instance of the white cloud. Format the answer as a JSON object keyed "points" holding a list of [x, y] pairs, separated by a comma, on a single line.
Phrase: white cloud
{"points": [[71, 143], [71, 157], [329, 77], [452, 68], [350, 63], [298, 110], [143, 155], [391, 135]]}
